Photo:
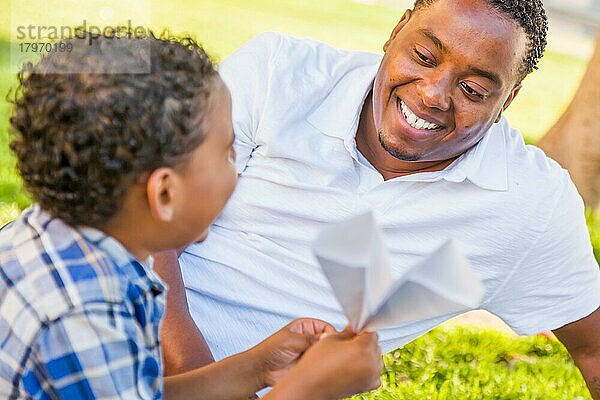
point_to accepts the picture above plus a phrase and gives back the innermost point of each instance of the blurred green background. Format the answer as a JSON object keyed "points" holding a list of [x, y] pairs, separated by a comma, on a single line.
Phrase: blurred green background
{"points": [[449, 362]]}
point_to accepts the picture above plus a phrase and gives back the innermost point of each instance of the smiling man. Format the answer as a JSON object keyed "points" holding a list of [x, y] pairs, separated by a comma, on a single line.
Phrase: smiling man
{"points": [[417, 137], [437, 92]]}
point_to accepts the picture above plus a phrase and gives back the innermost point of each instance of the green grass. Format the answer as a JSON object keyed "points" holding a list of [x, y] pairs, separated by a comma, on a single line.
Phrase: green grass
{"points": [[476, 364], [448, 363]]}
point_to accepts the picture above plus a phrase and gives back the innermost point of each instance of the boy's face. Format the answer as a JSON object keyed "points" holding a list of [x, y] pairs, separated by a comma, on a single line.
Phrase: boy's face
{"points": [[209, 177]]}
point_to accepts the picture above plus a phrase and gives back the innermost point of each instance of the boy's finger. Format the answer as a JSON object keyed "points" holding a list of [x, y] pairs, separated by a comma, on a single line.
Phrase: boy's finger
{"points": [[320, 326], [310, 325], [298, 342], [297, 325], [371, 337], [343, 335]]}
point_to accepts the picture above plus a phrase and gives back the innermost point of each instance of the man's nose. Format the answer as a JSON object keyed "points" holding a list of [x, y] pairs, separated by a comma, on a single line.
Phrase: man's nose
{"points": [[435, 92]]}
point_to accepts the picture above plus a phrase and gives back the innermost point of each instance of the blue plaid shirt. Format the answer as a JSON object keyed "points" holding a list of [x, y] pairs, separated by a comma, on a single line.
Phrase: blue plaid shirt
{"points": [[79, 315]]}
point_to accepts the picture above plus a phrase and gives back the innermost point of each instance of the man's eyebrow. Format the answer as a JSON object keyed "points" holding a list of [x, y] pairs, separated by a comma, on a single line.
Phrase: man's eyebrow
{"points": [[486, 74], [474, 70], [431, 36]]}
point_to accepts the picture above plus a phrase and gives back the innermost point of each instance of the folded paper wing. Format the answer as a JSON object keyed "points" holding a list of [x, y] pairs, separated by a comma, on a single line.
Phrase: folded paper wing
{"points": [[356, 263]]}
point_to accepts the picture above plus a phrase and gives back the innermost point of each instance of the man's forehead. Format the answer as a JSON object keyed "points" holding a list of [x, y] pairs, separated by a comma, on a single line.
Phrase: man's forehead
{"points": [[471, 11], [423, 4], [468, 17], [476, 29]]}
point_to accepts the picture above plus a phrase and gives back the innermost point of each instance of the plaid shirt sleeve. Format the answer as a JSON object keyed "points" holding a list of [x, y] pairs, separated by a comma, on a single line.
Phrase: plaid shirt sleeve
{"points": [[92, 353]]}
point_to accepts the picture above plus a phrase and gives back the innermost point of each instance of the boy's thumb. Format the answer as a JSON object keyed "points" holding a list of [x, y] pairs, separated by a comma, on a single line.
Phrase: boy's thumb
{"points": [[347, 333]]}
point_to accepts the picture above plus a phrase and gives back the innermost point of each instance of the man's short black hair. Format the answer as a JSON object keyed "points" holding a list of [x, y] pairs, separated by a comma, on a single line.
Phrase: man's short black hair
{"points": [[83, 139], [530, 15]]}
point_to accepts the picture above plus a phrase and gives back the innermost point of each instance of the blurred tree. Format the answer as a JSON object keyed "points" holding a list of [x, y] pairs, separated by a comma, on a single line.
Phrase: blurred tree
{"points": [[574, 141]]}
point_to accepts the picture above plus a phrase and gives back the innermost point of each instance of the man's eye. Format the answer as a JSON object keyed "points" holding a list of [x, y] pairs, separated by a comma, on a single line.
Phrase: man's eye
{"points": [[471, 92], [423, 58]]}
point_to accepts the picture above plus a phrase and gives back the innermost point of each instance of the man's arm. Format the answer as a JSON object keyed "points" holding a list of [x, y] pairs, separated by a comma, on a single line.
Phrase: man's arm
{"points": [[184, 347], [582, 340]]}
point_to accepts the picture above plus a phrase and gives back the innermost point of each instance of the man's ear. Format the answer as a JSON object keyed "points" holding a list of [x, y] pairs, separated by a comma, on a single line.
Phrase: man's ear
{"points": [[160, 190], [398, 28], [509, 100]]}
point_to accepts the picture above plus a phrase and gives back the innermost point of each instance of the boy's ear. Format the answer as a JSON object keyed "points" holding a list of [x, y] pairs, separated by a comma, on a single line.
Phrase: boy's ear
{"points": [[160, 190]]}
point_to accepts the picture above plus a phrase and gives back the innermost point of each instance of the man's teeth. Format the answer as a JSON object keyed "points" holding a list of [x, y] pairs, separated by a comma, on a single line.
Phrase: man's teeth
{"points": [[415, 121]]}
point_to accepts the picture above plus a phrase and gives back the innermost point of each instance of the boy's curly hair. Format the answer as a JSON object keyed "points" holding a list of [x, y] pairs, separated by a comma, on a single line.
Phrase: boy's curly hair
{"points": [[82, 139]]}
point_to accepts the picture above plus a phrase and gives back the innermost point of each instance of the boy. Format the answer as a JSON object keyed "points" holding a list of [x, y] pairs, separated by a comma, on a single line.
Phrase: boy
{"points": [[118, 164]]}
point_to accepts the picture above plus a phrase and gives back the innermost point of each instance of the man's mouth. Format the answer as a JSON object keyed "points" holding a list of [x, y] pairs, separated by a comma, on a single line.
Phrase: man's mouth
{"points": [[414, 121]]}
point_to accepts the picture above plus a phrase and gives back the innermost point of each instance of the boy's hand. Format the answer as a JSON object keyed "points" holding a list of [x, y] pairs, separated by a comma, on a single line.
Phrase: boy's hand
{"points": [[281, 351], [338, 366]]}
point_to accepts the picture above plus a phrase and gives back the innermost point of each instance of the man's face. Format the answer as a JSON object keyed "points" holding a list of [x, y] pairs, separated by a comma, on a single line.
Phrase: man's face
{"points": [[448, 72]]}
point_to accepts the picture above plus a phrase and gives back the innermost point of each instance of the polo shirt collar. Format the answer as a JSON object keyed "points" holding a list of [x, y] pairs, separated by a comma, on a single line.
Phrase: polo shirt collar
{"points": [[484, 165], [338, 113]]}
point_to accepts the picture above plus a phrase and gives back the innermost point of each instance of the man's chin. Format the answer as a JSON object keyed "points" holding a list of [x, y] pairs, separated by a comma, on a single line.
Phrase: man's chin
{"points": [[404, 157], [397, 153]]}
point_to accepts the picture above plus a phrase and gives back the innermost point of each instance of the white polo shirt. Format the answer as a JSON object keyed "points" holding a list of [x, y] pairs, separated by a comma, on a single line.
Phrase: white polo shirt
{"points": [[296, 104]]}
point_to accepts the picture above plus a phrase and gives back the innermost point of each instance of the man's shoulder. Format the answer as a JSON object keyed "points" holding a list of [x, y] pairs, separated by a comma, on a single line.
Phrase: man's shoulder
{"points": [[274, 42], [530, 168], [275, 51], [49, 270]]}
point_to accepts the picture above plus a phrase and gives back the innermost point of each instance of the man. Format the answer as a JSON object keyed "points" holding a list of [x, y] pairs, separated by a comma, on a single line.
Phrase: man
{"points": [[418, 138]]}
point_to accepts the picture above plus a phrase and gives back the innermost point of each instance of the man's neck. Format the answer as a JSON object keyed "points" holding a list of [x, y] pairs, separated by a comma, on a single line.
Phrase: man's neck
{"points": [[367, 142]]}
